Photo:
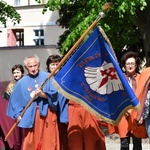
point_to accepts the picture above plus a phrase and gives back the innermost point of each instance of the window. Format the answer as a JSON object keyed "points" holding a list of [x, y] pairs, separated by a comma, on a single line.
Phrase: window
{"points": [[44, 1], [19, 38], [17, 2], [15, 37], [39, 37]]}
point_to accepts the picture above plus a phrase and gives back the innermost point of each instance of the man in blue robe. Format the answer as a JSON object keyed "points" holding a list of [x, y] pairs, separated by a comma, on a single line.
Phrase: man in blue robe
{"points": [[40, 119]]}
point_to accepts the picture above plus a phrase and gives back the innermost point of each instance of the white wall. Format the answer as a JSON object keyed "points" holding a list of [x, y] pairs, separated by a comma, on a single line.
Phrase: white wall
{"points": [[8, 58], [31, 19], [23, 2]]}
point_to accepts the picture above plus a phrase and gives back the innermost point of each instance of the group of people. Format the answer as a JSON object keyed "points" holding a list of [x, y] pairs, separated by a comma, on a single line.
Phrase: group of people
{"points": [[53, 122]]}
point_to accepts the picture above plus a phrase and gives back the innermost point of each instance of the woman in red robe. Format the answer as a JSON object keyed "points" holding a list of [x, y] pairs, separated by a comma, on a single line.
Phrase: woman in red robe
{"points": [[128, 126], [15, 139]]}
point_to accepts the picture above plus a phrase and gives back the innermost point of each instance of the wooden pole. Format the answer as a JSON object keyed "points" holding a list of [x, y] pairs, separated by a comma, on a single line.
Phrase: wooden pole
{"points": [[101, 15]]}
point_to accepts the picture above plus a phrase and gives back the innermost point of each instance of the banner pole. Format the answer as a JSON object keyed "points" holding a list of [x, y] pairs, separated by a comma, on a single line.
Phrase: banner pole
{"points": [[101, 15]]}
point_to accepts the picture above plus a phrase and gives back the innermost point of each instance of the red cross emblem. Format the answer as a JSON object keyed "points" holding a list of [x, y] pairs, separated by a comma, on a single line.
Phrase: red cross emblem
{"points": [[109, 73]]}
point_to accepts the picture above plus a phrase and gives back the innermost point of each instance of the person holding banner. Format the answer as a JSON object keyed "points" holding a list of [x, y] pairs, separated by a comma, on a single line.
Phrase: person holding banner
{"points": [[40, 119], [130, 63], [51, 63]]}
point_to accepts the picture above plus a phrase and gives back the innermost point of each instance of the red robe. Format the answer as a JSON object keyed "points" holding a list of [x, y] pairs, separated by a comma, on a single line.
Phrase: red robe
{"points": [[129, 124], [15, 139], [84, 131], [141, 92]]}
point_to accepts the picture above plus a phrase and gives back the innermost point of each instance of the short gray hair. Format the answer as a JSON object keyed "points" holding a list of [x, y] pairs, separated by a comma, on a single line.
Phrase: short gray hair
{"points": [[34, 56]]}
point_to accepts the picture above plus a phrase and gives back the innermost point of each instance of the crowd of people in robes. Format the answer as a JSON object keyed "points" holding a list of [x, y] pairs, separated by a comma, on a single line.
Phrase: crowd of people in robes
{"points": [[53, 122]]}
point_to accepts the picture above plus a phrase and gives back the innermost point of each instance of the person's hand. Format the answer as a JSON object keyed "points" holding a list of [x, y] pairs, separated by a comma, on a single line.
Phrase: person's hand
{"points": [[127, 114], [140, 121], [40, 93], [19, 118]]}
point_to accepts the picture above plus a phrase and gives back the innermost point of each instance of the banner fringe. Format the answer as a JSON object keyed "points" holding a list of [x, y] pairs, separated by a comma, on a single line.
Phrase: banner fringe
{"points": [[108, 41], [73, 98]]}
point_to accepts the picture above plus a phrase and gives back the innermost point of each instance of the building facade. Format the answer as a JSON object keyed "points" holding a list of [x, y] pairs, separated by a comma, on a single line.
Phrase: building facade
{"points": [[36, 34], [35, 28]]}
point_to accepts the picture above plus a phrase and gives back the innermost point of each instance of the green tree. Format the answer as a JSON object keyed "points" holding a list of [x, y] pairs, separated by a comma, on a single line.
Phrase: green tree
{"points": [[126, 24], [8, 12]]}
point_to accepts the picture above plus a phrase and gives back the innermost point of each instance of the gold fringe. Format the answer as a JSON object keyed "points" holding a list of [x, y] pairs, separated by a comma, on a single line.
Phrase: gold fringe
{"points": [[107, 39], [82, 103]]}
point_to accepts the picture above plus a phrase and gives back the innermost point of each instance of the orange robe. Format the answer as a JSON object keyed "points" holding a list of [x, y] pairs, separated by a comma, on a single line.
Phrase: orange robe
{"points": [[84, 131], [141, 92], [129, 124], [47, 135], [143, 89]]}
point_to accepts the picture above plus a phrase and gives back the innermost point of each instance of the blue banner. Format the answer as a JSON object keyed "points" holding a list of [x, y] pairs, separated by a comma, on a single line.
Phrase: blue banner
{"points": [[93, 78]]}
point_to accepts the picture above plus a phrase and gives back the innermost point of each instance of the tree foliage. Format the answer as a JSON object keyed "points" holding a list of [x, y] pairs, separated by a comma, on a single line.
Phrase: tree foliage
{"points": [[121, 23], [8, 12]]}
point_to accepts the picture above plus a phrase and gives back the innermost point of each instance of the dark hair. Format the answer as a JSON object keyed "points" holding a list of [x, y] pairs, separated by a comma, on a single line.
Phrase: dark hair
{"points": [[52, 59], [18, 66], [130, 54]]}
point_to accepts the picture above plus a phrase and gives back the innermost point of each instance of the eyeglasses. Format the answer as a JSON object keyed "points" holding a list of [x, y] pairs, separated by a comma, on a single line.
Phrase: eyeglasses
{"points": [[130, 64]]}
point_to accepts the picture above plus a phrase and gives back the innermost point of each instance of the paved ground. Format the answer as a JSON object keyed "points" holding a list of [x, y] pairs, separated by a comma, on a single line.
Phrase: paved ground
{"points": [[115, 146], [113, 142]]}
